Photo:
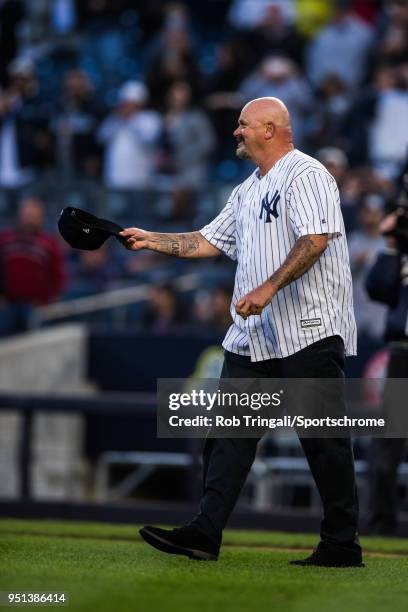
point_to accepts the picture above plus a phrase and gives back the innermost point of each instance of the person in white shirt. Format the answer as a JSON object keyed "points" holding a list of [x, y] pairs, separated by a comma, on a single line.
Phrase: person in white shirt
{"points": [[341, 48], [388, 133], [292, 311], [130, 136]]}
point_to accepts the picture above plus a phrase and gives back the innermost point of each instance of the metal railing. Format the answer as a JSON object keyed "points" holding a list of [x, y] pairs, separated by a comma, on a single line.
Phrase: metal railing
{"points": [[114, 298]]}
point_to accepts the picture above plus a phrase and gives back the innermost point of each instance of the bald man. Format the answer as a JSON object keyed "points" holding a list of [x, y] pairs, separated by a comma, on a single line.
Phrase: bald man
{"points": [[292, 318]]}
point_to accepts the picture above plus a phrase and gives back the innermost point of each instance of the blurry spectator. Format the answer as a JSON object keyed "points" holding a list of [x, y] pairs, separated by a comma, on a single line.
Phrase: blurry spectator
{"points": [[362, 181], [130, 136], [335, 160], [63, 16], [341, 48], [387, 283], [212, 308], [171, 56], [176, 17], [275, 34], [11, 15], [231, 66], [364, 245], [109, 43], [393, 46], [363, 111], [164, 311], [25, 141], [94, 271], [368, 10], [33, 269], [353, 186], [333, 105], [190, 139], [388, 132], [75, 126], [279, 77], [248, 14], [48, 22]]}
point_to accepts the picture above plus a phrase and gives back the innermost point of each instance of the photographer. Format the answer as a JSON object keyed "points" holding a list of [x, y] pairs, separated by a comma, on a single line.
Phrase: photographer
{"points": [[387, 282]]}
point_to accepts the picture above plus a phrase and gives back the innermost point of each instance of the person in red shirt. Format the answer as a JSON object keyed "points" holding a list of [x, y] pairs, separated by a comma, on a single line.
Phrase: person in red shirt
{"points": [[32, 267]]}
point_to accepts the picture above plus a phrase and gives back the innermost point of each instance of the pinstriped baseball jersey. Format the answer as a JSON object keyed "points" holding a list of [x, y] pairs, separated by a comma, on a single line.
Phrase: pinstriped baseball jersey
{"points": [[261, 222]]}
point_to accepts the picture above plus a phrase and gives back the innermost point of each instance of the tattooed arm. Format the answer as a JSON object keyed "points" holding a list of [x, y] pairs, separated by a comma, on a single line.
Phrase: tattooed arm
{"points": [[305, 252], [188, 245]]}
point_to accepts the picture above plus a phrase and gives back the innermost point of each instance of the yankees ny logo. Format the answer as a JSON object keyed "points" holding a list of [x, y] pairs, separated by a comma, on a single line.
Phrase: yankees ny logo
{"points": [[270, 207]]}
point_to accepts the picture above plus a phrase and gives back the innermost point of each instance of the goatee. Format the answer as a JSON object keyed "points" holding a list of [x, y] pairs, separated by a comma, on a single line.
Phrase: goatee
{"points": [[241, 153]]}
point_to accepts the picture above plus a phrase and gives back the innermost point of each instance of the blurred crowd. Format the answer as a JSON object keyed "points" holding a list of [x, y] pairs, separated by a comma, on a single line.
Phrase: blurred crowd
{"points": [[143, 96]]}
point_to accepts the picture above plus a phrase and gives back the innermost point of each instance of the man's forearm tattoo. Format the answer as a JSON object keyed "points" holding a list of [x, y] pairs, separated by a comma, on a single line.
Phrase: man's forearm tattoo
{"points": [[178, 245], [301, 257]]}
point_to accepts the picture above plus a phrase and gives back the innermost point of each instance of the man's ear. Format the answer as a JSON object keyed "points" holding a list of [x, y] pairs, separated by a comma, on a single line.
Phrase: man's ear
{"points": [[269, 130]]}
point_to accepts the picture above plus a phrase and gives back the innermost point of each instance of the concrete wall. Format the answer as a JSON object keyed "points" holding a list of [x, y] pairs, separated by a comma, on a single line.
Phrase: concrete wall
{"points": [[51, 361]]}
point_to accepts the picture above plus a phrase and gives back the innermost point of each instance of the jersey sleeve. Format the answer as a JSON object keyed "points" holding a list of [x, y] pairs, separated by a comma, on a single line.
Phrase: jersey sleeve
{"points": [[221, 232], [314, 205]]}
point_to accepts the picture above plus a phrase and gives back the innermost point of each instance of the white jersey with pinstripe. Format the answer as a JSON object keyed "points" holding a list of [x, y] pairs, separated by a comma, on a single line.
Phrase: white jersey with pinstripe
{"points": [[261, 222]]}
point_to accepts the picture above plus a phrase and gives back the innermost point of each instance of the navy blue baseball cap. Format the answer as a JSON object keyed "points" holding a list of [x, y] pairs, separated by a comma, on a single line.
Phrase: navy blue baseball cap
{"points": [[82, 230]]}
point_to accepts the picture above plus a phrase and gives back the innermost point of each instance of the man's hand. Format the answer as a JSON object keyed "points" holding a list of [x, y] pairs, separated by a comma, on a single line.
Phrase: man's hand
{"points": [[135, 238], [188, 245], [255, 301]]}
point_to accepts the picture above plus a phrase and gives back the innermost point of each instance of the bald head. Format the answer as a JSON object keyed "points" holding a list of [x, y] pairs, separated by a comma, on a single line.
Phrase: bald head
{"points": [[264, 132], [268, 110]]}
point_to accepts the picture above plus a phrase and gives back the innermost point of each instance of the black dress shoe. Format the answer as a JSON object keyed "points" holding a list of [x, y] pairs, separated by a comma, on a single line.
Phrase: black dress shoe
{"points": [[327, 555], [186, 541]]}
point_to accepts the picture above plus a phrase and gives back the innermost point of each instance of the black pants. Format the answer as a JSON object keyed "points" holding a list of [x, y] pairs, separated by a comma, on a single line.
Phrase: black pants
{"points": [[228, 461], [385, 455]]}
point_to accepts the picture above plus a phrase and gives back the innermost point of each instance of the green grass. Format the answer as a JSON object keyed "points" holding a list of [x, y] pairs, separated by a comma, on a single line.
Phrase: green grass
{"points": [[107, 568]]}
